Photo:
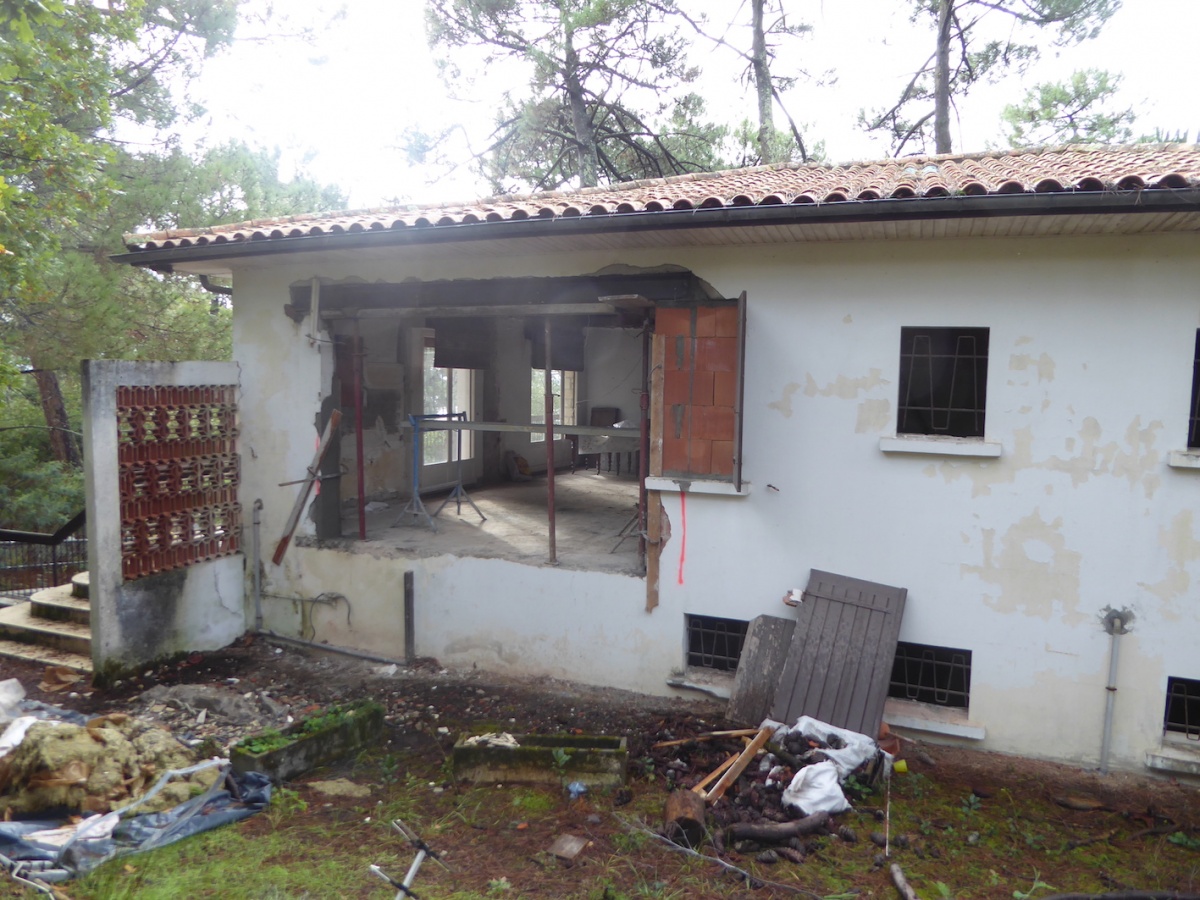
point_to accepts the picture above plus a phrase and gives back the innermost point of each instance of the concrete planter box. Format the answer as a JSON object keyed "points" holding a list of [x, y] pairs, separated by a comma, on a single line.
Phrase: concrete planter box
{"points": [[594, 760], [359, 725]]}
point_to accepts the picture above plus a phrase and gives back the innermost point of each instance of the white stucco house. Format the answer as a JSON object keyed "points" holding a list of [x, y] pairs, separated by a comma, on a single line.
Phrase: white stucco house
{"points": [[975, 377]]}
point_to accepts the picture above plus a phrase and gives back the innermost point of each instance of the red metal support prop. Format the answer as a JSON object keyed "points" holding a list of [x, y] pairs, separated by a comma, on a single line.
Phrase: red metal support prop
{"points": [[549, 412], [356, 348]]}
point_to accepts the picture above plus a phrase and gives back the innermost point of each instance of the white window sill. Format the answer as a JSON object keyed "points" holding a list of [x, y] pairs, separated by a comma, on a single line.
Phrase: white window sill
{"points": [[941, 446], [696, 486], [914, 716], [1177, 755], [1184, 459]]}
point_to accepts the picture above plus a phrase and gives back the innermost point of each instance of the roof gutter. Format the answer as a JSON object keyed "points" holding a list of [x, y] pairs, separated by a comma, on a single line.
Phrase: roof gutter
{"points": [[1157, 200]]}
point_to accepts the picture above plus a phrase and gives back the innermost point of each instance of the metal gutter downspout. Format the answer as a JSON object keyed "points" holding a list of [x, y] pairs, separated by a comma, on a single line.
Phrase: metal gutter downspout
{"points": [[254, 561], [1116, 623]]}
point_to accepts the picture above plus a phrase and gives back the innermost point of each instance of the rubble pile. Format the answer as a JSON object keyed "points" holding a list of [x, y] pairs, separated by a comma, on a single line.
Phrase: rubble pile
{"points": [[776, 801], [94, 768]]}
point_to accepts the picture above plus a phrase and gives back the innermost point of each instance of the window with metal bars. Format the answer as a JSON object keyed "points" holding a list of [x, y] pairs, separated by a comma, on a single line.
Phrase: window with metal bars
{"points": [[1194, 418], [715, 643], [927, 674], [943, 381], [1183, 708]]}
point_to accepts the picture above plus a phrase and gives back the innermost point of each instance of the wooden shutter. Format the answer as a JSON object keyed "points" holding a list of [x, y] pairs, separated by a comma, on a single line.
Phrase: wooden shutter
{"points": [[842, 652], [702, 349]]}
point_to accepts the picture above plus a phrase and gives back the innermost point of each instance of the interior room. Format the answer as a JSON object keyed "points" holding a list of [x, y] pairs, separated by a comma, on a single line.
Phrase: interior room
{"points": [[468, 374]]}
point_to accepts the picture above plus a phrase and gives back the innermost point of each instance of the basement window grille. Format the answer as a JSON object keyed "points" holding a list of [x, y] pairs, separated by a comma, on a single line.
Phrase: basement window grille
{"points": [[715, 643], [1183, 708], [928, 674]]}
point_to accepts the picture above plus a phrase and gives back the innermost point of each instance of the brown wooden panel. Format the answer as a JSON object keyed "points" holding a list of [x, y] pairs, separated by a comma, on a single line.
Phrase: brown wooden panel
{"points": [[764, 653], [841, 654]]}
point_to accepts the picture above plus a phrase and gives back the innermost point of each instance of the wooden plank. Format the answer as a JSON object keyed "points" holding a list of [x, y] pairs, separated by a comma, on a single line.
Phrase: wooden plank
{"points": [[840, 660], [715, 774], [739, 765], [764, 654], [710, 736]]}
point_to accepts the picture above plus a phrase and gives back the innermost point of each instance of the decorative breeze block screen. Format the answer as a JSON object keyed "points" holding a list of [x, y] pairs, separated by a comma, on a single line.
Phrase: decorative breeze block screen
{"points": [[179, 474]]}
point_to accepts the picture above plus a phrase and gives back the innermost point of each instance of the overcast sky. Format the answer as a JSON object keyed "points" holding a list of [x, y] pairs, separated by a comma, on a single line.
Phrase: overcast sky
{"points": [[337, 108]]}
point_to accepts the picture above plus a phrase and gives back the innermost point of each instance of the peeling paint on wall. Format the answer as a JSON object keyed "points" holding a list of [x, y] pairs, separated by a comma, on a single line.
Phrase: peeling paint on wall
{"points": [[1179, 540], [784, 403], [985, 475], [874, 416], [1033, 570], [1044, 365], [1138, 462], [845, 388]]}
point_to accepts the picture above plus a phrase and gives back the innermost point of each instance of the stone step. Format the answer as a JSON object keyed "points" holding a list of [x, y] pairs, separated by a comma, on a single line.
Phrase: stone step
{"points": [[44, 656], [79, 585], [62, 605], [17, 623]]}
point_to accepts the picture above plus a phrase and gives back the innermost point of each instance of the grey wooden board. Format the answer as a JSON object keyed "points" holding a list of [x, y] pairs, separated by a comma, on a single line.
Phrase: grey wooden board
{"points": [[840, 660], [764, 652]]}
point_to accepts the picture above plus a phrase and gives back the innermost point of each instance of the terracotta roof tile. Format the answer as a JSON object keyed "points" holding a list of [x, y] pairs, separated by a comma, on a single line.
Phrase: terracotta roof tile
{"points": [[1063, 170]]}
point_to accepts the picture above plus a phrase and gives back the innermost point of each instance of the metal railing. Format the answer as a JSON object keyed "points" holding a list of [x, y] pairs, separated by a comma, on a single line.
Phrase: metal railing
{"points": [[31, 561]]}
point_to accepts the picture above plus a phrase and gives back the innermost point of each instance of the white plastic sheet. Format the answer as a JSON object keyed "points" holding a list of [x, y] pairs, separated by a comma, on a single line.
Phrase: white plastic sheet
{"points": [[816, 789]]}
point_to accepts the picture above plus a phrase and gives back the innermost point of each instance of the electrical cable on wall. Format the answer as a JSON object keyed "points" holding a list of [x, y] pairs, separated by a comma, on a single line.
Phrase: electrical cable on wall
{"points": [[325, 598]]}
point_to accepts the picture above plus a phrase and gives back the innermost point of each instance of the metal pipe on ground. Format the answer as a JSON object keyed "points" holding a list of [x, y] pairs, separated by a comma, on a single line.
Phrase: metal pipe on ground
{"points": [[327, 648]]}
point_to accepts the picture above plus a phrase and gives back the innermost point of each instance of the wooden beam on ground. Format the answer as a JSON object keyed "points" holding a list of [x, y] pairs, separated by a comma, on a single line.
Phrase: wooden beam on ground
{"points": [[739, 765], [710, 736], [714, 775]]}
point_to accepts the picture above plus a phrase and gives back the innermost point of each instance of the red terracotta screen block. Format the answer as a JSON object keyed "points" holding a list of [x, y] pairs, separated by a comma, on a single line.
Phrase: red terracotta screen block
{"points": [[716, 321], [724, 389], [716, 354], [673, 321], [713, 423], [722, 458], [700, 457], [675, 455]]}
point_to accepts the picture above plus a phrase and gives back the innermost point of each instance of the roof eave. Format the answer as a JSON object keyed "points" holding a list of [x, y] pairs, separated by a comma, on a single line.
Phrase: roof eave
{"points": [[1156, 200]]}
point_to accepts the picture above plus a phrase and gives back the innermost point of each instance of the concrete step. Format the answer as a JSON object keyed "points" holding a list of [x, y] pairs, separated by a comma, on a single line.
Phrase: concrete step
{"points": [[62, 605], [44, 656], [79, 585], [17, 623]]}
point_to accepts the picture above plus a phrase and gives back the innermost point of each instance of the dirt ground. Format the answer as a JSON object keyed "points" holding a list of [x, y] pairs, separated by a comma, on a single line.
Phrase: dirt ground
{"points": [[960, 823]]}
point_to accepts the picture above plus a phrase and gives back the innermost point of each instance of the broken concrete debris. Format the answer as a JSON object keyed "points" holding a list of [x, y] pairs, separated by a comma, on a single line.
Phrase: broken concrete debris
{"points": [[140, 785]]}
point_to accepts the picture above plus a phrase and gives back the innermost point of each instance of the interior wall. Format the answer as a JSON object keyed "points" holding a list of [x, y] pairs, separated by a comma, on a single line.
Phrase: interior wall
{"points": [[613, 357], [384, 409], [513, 377]]}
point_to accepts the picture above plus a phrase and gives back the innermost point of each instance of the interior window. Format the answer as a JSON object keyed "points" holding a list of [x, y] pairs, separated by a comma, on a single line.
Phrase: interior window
{"points": [[446, 391], [562, 385]]}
